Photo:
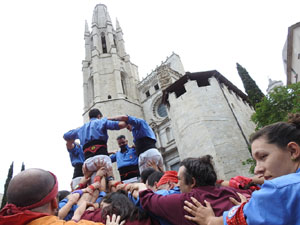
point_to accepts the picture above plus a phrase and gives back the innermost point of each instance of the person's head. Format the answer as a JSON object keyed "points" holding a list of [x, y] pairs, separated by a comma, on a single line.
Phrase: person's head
{"points": [[153, 179], [129, 127], [276, 148], [146, 173], [35, 190], [95, 113], [196, 172], [118, 203], [168, 181], [62, 194], [122, 142]]}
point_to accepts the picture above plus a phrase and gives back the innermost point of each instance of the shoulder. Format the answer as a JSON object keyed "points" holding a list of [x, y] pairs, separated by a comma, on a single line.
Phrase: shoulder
{"points": [[283, 181]]}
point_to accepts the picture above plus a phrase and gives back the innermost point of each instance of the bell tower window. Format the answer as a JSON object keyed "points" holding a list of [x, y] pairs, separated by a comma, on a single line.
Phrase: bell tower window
{"points": [[103, 43]]}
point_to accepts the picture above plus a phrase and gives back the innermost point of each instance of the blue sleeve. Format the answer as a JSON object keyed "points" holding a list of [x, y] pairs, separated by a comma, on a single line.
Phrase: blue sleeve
{"points": [[113, 157], [134, 121], [62, 203], [100, 196], [259, 210], [224, 217], [111, 125], [77, 150], [136, 202], [71, 135]]}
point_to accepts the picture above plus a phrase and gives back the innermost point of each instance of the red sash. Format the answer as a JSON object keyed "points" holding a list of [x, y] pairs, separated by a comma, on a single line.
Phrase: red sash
{"points": [[93, 148], [238, 218]]}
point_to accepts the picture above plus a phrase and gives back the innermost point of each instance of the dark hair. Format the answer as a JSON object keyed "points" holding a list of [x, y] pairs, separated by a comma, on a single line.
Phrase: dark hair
{"points": [[146, 173], [121, 205], [201, 169], [94, 113], [121, 137], [62, 194], [154, 177], [281, 133]]}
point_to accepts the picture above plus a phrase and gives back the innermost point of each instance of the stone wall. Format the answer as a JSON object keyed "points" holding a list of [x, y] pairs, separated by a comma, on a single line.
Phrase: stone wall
{"points": [[203, 123]]}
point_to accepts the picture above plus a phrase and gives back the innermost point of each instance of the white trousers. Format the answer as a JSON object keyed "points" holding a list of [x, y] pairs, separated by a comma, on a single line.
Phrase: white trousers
{"points": [[151, 154]]}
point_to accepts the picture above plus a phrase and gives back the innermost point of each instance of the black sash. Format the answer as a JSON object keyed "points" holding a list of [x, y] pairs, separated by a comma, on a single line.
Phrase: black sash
{"points": [[100, 151], [143, 144], [127, 172]]}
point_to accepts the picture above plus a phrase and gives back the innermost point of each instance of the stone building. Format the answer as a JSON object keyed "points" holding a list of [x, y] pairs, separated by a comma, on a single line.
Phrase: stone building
{"points": [[191, 113], [273, 84], [291, 54]]}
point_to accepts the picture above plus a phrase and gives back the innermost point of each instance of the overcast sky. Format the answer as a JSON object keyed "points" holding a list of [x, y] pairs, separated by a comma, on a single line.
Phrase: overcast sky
{"points": [[42, 47]]}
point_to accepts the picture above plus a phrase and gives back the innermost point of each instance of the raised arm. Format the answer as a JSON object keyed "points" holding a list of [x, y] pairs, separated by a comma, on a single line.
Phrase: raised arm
{"points": [[72, 199], [119, 118]]}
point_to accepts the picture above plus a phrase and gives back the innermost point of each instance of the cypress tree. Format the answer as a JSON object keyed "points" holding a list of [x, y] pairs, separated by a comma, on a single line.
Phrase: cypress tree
{"points": [[9, 176], [23, 166], [255, 95]]}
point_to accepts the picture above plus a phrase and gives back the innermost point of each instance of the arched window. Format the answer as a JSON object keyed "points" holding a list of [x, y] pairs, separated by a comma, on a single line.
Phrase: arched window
{"points": [[168, 132], [103, 43], [123, 83], [90, 91]]}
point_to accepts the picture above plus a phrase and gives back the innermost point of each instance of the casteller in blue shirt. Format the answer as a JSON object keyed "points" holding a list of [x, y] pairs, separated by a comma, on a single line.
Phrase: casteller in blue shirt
{"points": [[93, 134], [143, 136], [127, 159]]}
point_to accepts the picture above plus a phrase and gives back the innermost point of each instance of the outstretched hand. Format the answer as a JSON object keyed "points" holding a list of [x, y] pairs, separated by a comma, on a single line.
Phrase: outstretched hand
{"points": [[200, 214], [115, 220], [242, 197]]}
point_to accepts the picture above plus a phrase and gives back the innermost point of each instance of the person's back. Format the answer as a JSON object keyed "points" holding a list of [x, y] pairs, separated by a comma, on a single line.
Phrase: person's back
{"points": [[197, 179], [93, 137]]}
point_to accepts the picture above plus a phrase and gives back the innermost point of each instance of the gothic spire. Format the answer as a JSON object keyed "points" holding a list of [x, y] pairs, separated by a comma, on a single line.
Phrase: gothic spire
{"points": [[100, 16], [86, 29]]}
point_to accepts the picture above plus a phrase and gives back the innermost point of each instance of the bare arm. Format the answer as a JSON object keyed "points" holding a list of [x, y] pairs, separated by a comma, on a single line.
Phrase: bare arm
{"points": [[79, 211], [119, 118], [72, 199], [122, 124]]}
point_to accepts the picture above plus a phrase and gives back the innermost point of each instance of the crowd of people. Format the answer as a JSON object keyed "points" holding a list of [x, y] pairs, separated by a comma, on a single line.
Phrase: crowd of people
{"points": [[148, 194]]}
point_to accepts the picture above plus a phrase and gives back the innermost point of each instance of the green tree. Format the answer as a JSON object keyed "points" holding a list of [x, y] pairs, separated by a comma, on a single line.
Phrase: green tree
{"points": [[9, 176], [255, 95], [23, 166], [277, 105]]}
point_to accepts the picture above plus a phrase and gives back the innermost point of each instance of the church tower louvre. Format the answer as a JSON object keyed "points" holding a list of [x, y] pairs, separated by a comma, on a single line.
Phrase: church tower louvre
{"points": [[109, 78]]}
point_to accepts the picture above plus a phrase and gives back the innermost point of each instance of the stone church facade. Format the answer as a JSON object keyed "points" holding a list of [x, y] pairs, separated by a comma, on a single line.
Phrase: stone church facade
{"points": [[192, 114]]}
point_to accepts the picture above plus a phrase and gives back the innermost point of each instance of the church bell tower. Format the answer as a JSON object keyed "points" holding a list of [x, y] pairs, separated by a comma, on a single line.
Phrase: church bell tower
{"points": [[109, 78]]}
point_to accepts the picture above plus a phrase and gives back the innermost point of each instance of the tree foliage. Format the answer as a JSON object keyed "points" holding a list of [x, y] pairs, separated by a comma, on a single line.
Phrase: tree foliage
{"points": [[255, 95], [277, 105], [9, 177]]}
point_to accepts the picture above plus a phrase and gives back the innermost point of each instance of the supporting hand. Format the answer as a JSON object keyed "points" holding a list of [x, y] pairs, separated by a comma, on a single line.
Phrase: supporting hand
{"points": [[200, 214], [115, 220]]}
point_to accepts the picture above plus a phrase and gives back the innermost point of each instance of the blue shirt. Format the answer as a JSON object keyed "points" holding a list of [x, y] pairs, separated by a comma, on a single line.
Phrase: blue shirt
{"points": [[72, 210], [175, 190], [95, 129], [140, 128], [277, 202], [76, 155], [100, 196], [127, 158]]}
